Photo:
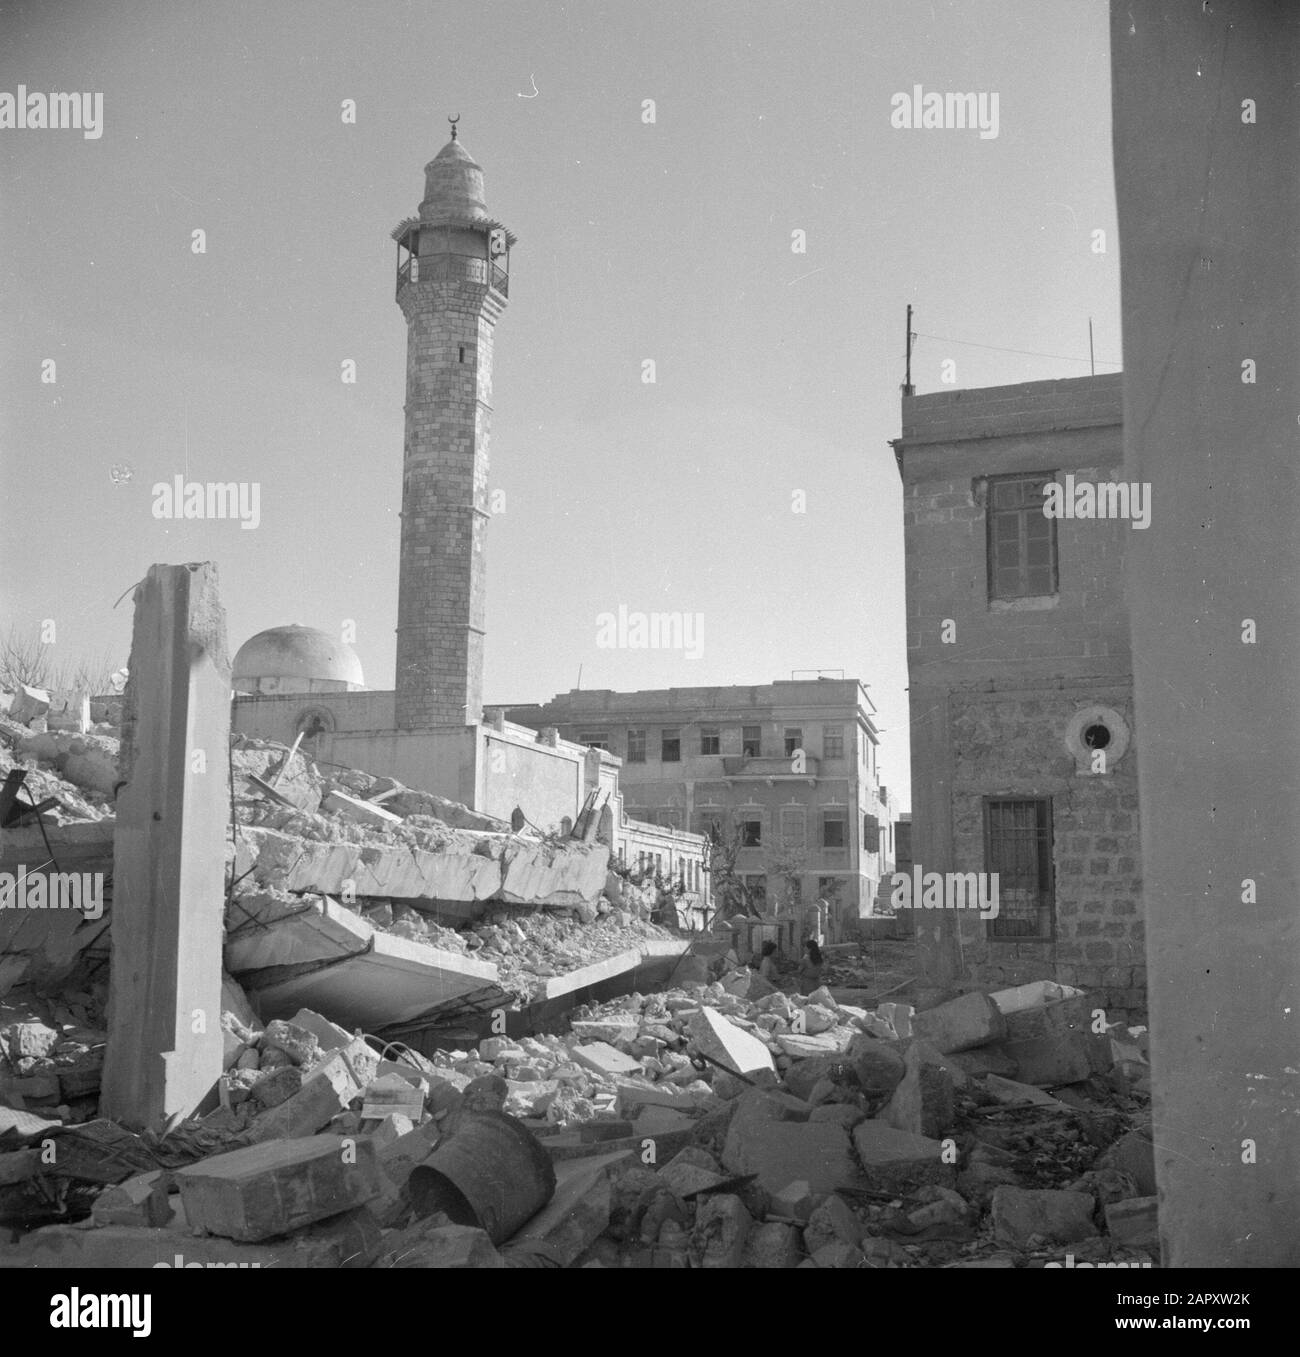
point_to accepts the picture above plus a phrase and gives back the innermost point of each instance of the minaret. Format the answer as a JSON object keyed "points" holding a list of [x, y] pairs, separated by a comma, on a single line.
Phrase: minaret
{"points": [[452, 281]]}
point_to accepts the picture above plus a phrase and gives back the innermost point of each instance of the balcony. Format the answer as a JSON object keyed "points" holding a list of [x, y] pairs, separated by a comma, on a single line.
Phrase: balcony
{"points": [[415, 268], [779, 769]]}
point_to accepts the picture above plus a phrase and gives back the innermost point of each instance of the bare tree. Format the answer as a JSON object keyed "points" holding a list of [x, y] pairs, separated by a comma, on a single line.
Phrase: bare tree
{"points": [[25, 658]]}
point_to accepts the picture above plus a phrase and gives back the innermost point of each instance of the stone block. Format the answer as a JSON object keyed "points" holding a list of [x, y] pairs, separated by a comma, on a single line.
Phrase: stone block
{"points": [[795, 1201], [1133, 1154], [1012, 1091], [1018, 1214], [300, 1045], [846, 1115], [577, 1214], [322, 1097], [392, 1094], [784, 1152], [972, 1020], [722, 1226], [726, 1043], [878, 1065], [1132, 1224], [604, 1060], [1062, 1058], [803, 1046], [898, 1016], [804, 1075], [898, 1161], [28, 704], [923, 1103], [276, 1086], [429, 1243], [772, 1245], [142, 1200], [271, 1189], [833, 1222]]}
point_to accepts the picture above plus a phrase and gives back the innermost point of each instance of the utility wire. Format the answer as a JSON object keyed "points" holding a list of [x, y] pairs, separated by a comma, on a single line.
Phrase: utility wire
{"points": [[1030, 353]]}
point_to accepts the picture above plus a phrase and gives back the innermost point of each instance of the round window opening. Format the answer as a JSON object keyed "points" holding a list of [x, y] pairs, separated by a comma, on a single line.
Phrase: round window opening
{"points": [[1096, 736]]}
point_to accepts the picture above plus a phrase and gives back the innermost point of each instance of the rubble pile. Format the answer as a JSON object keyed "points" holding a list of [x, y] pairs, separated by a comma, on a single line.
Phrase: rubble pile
{"points": [[78, 770], [686, 1128]]}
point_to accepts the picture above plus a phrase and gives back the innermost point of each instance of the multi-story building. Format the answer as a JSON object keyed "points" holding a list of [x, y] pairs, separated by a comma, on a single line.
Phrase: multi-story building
{"points": [[787, 769], [1021, 683]]}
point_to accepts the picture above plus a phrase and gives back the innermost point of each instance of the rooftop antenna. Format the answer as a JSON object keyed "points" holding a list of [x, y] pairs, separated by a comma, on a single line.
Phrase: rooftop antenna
{"points": [[908, 388], [453, 122], [1091, 364]]}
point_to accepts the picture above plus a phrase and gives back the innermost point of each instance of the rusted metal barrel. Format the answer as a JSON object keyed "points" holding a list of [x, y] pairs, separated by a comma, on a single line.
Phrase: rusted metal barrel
{"points": [[493, 1173]]}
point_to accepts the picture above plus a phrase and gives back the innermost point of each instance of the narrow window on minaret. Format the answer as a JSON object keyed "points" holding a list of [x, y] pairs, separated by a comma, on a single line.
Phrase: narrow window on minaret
{"points": [[462, 353]]}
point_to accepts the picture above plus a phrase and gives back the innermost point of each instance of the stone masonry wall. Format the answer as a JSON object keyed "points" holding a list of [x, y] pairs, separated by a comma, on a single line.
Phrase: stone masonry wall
{"points": [[1010, 744], [442, 592]]}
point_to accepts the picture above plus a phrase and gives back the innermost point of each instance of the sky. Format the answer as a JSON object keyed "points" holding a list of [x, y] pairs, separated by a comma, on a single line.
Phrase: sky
{"points": [[750, 485]]}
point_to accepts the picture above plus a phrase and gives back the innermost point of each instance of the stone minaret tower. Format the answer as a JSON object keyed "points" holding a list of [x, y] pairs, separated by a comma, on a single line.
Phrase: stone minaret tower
{"points": [[452, 282]]}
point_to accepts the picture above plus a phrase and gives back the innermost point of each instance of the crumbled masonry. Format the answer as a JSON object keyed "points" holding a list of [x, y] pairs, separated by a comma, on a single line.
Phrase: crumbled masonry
{"points": [[713, 1120]]}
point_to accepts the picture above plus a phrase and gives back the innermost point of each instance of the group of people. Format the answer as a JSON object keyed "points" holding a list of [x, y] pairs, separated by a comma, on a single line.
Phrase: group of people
{"points": [[810, 966]]}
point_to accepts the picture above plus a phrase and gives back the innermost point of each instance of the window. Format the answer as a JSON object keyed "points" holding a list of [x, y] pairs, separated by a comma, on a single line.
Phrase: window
{"points": [[751, 741], [870, 834], [793, 740], [710, 740], [794, 828], [1021, 538], [595, 741], [669, 816], [751, 830], [704, 819], [670, 749], [636, 746], [835, 828], [832, 742], [1018, 847]]}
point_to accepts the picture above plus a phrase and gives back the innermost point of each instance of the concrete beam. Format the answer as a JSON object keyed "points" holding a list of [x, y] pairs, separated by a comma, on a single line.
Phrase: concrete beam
{"points": [[1207, 138], [164, 1013]]}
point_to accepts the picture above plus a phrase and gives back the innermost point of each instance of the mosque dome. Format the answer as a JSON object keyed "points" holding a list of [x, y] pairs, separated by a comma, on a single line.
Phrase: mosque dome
{"points": [[296, 659]]}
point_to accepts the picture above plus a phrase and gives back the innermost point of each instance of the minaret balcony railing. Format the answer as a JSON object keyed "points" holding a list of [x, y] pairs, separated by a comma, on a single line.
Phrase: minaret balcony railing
{"points": [[415, 269]]}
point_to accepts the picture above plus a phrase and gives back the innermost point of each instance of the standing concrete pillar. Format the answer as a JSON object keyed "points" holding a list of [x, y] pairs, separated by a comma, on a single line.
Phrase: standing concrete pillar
{"points": [[1207, 156], [164, 1014]]}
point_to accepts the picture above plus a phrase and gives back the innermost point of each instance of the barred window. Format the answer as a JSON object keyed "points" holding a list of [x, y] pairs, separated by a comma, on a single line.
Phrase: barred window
{"points": [[636, 746], [1018, 848]]}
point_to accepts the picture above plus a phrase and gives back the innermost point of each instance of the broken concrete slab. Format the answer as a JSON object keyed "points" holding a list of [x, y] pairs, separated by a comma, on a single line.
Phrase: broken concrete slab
{"points": [[1019, 1214], [271, 1189], [376, 979], [898, 1161], [359, 812], [652, 960], [783, 1152], [969, 1021], [726, 1043]]}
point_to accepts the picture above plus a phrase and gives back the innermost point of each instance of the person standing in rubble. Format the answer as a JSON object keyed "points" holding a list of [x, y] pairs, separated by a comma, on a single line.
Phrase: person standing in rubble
{"points": [[810, 968], [767, 962]]}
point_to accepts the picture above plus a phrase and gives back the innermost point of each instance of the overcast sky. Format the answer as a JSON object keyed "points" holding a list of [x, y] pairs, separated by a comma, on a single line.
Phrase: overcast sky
{"points": [[776, 371]]}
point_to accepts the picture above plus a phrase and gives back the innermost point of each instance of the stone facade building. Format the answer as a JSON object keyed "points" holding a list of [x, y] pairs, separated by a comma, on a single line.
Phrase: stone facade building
{"points": [[789, 766], [1021, 687]]}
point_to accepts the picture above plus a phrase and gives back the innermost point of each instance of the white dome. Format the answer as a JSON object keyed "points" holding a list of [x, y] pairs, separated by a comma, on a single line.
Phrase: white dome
{"points": [[296, 653]]}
